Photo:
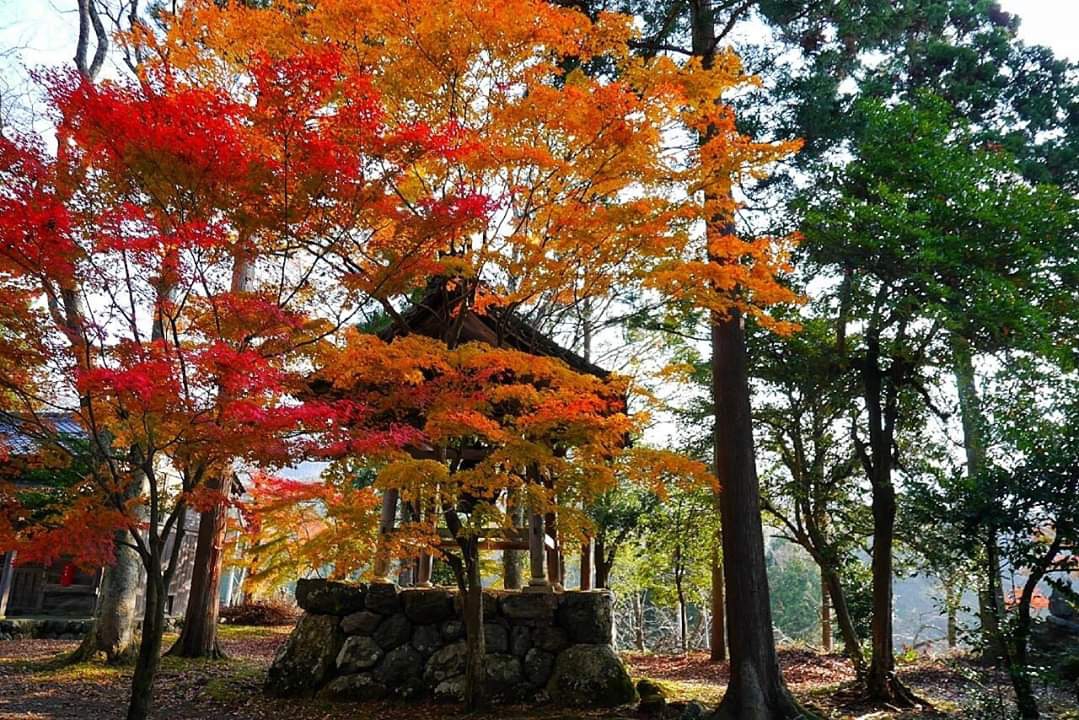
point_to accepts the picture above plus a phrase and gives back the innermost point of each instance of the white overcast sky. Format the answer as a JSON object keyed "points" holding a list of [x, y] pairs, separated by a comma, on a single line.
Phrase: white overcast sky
{"points": [[44, 30]]}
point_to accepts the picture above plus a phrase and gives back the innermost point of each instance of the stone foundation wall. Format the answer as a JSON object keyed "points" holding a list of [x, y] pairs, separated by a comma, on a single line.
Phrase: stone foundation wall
{"points": [[43, 628], [359, 642]]}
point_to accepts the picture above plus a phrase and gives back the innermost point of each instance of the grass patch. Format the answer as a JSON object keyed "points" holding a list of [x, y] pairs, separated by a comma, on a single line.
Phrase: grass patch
{"points": [[686, 690]]}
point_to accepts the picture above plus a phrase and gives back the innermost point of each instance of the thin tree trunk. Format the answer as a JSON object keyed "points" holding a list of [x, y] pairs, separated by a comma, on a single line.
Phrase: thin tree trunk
{"points": [[149, 657], [638, 620], [881, 682], [602, 566], [475, 689], [718, 644], [852, 644], [953, 628], [683, 619], [1018, 669], [825, 615]]}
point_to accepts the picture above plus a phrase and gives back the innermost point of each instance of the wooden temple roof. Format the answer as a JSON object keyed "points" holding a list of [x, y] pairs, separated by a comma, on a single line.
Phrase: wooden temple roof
{"points": [[436, 316]]}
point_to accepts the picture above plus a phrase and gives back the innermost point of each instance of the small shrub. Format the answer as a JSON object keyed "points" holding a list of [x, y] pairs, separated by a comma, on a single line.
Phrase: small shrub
{"points": [[261, 613]]}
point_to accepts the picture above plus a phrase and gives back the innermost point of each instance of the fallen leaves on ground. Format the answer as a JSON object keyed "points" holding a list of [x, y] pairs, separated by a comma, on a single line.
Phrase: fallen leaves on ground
{"points": [[35, 686]]}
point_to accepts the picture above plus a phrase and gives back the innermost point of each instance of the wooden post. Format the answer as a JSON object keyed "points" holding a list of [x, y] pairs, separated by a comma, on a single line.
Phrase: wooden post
{"points": [[536, 553], [385, 527], [7, 563], [554, 551], [586, 565]]}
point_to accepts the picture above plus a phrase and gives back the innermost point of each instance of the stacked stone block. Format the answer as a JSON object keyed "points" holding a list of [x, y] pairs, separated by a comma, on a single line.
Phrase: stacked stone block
{"points": [[371, 642]]}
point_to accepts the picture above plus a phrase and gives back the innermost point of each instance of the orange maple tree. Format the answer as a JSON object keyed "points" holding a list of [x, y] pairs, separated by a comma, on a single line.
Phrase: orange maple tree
{"points": [[585, 155]]}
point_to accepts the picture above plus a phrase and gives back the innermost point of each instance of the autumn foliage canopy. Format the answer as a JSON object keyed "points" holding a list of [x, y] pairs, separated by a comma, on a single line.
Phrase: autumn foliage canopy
{"points": [[176, 271]]}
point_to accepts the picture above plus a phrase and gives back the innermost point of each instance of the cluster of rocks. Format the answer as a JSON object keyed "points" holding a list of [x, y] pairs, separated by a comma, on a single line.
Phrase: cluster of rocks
{"points": [[43, 629], [357, 642]]}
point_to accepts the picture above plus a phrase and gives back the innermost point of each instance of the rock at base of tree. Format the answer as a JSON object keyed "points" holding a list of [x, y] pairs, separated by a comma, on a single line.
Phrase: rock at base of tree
{"points": [[653, 698], [586, 616], [691, 710], [327, 597], [307, 658], [590, 675], [363, 622], [358, 653], [353, 688]]}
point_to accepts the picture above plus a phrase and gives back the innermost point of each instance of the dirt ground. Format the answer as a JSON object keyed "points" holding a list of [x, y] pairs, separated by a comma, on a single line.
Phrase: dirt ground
{"points": [[34, 687]]}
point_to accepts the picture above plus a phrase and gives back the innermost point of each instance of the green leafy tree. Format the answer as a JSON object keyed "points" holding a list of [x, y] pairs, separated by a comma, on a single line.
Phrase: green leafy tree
{"points": [[810, 486], [929, 235]]}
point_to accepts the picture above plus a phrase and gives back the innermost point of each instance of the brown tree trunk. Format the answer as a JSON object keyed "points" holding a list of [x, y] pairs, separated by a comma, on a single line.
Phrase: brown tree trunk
{"points": [[756, 690], [825, 615], [475, 688], [718, 640], [113, 629], [881, 409], [852, 644], [680, 592], [602, 566], [198, 637], [149, 657], [1018, 665], [953, 628]]}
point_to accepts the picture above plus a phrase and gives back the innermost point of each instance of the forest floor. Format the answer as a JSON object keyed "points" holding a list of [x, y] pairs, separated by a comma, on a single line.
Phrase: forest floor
{"points": [[34, 687]]}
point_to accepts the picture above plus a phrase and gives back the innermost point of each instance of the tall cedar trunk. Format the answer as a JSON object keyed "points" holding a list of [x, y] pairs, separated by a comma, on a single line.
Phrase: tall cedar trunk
{"points": [[852, 644], [718, 640], [475, 688], [825, 615], [198, 637], [991, 597], [149, 657], [756, 690]]}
